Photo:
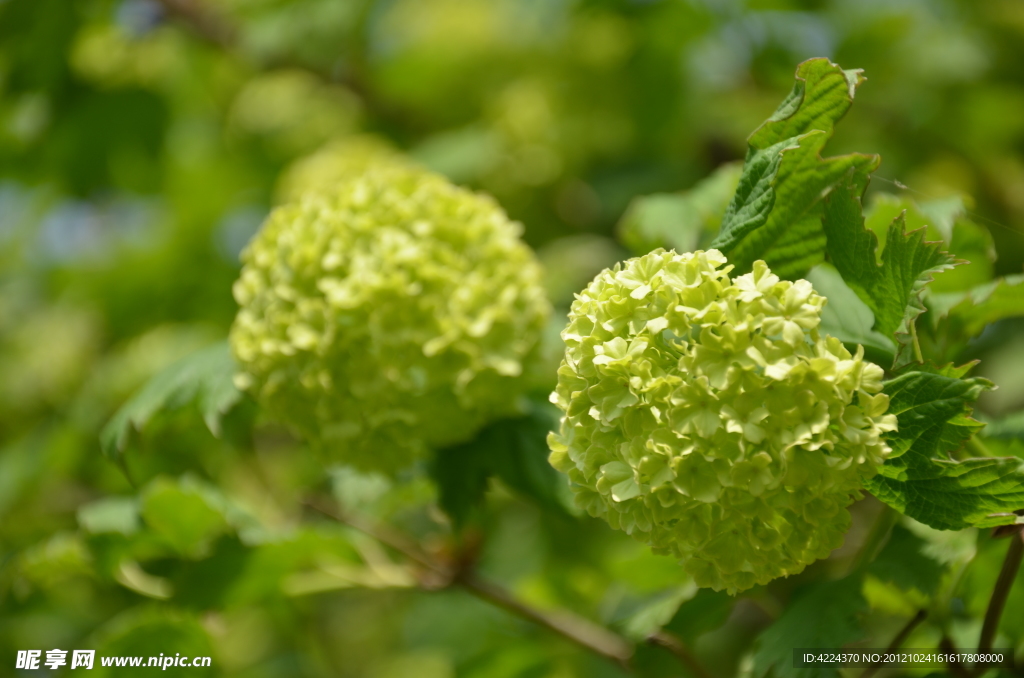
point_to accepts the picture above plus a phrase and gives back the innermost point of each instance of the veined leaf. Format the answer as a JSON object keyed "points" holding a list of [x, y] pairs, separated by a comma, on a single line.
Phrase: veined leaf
{"points": [[776, 212], [204, 377], [921, 480], [679, 220], [943, 220], [891, 289]]}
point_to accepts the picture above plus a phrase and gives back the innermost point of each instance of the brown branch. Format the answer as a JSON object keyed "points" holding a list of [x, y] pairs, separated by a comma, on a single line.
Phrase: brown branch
{"points": [[583, 632], [676, 646], [897, 641], [1004, 583]]}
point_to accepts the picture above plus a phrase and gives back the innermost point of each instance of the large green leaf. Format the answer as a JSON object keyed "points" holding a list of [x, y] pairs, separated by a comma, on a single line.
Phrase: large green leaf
{"points": [[205, 377], [921, 480], [824, 617], [943, 220], [891, 289], [776, 212], [679, 220]]}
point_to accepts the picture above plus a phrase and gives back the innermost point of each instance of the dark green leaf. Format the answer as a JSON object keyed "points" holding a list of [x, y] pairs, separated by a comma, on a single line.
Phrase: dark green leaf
{"points": [[891, 289], [825, 616], [703, 612], [776, 212], [921, 480], [205, 377], [461, 473], [513, 450], [903, 562]]}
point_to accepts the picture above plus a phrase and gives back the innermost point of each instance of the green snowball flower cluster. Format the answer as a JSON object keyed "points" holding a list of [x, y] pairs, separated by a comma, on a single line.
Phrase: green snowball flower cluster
{"points": [[707, 417], [388, 316]]}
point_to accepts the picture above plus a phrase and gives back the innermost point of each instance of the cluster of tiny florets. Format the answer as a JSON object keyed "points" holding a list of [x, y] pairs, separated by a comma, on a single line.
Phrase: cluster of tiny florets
{"points": [[387, 316], [707, 417]]}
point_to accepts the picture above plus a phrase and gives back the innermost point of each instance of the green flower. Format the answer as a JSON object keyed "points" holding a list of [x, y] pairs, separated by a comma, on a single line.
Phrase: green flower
{"points": [[388, 316], [707, 417]]}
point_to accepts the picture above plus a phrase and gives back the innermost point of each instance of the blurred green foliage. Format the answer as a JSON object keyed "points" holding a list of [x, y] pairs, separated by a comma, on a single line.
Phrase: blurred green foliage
{"points": [[143, 142]]}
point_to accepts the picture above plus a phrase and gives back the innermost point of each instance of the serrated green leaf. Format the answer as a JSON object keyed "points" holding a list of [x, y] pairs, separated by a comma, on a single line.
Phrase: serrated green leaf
{"points": [[944, 220], [205, 377], [825, 616], [891, 289], [775, 214], [921, 480], [679, 220]]}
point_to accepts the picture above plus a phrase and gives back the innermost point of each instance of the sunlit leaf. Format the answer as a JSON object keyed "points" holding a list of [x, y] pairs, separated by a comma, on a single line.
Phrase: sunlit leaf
{"points": [[776, 212], [892, 289], [921, 480]]}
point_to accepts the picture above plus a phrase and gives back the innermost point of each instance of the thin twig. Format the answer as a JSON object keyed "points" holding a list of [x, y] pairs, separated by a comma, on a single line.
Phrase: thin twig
{"points": [[1004, 582], [676, 646], [897, 641], [917, 344], [581, 631]]}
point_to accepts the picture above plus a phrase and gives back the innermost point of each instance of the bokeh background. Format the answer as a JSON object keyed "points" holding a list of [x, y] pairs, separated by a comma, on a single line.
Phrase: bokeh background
{"points": [[142, 142]]}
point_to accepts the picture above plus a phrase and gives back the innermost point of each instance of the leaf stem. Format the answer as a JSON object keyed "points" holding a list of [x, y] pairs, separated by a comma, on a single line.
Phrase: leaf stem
{"points": [[1014, 555], [897, 641], [676, 646], [583, 632], [978, 447], [917, 344]]}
